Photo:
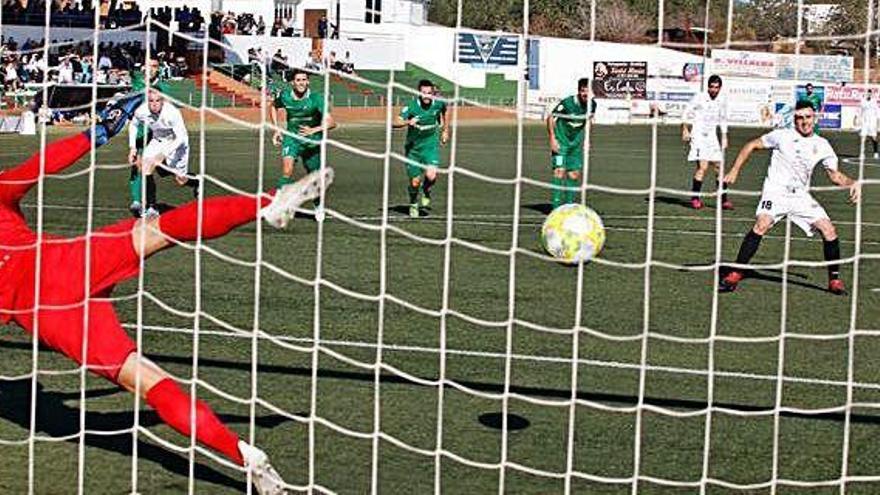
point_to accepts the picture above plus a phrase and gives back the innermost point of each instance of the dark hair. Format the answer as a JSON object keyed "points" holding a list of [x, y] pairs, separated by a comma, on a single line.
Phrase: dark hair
{"points": [[295, 72], [715, 78], [584, 82], [801, 104], [425, 83], [809, 85]]}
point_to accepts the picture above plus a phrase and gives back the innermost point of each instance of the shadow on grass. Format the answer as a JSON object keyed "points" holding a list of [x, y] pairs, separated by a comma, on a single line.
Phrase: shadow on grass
{"points": [[56, 419]]}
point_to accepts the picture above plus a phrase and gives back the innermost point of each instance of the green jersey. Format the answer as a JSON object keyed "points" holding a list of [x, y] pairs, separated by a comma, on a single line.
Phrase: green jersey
{"points": [[570, 119], [426, 132], [306, 111], [814, 100], [139, 82]]}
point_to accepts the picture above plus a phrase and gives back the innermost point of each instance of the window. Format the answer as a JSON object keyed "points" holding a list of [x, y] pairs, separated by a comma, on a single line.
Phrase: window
{"points": [[373, 14]]}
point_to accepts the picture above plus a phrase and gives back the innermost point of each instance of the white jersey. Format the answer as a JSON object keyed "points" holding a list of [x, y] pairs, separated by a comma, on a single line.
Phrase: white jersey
{"points": [[794, 158], [868, 114], [167, 127], [705, 115]]}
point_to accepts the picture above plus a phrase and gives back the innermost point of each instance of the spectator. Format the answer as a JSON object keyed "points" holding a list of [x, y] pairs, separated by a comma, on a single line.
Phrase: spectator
{"points": [[261, 27], [65, 72], [279, 62], [331, 61], [322, 26], [10, 77], [104, 62], [347, 64], [314, 62]]}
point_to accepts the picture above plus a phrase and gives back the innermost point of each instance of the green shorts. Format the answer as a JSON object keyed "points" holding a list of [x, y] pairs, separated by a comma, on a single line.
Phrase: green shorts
{"points": [[570, 160], [309, 153], [424, 156]]}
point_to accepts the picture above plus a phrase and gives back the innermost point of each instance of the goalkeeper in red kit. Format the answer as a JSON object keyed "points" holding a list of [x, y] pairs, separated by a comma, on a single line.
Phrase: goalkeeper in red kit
{"points": [[56, 312]]}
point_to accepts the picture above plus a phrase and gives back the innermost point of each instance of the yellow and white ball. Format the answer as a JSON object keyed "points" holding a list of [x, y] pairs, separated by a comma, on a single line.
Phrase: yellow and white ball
{"points": [[573, 233]]}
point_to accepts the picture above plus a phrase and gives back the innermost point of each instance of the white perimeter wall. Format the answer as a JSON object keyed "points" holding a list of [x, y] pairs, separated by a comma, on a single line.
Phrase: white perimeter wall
{"points": [[365, 55]]}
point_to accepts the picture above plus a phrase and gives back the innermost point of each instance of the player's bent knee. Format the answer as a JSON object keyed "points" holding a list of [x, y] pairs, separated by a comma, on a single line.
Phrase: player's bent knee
{"points": [[826, 229], [559, 173], [148, 239], [574, 175], [415, 182], [140, 374], [762, 225]]}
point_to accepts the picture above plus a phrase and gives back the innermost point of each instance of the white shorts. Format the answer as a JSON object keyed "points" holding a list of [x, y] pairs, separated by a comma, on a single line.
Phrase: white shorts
{"points": [[796, 203], [868, 131], [176, 158], [705, 149]]}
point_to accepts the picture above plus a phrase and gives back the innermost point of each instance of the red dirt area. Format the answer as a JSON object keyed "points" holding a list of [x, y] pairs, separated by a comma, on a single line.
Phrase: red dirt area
{"points": [[342, 114]]}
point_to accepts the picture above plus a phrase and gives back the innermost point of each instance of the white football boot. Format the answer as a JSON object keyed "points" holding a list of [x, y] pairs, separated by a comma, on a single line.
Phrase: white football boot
{"points": [[266, 480], [289, 197]]}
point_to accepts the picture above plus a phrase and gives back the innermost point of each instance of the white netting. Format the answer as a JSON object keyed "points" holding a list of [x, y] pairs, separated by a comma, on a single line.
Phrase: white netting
{"points": [[517, 254]]}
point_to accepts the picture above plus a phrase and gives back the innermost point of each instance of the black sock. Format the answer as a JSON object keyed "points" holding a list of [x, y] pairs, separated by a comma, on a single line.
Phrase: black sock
{"points": [[193, 184], [133, 173], [151, 191], [696, 186], [722, 186], [427, 185], [748, 248], [832, 253], [874, 144]]}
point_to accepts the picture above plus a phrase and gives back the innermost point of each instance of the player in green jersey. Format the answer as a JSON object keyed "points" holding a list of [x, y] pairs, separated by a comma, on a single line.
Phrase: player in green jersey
{"points": [[427, 128], [816, 101], [307, 119], [566, 126]]}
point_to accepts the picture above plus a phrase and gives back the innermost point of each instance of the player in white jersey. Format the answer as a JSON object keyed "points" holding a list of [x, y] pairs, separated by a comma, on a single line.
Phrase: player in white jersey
{"points": [[167, 153], [704, 115], [795, 153], [869, 112]]}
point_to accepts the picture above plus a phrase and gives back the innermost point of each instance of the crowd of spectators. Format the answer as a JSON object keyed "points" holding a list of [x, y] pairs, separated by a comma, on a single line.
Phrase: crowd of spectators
{"points": [[71, 13], [71, 63], [230, 23], [189, 20]]}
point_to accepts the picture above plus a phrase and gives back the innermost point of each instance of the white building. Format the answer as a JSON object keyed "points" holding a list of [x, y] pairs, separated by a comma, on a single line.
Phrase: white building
{"points": [[817, 15], [354, 17]]}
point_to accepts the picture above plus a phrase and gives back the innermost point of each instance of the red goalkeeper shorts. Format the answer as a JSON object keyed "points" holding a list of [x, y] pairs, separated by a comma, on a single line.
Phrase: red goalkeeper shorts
{"points": [[61, 318]]}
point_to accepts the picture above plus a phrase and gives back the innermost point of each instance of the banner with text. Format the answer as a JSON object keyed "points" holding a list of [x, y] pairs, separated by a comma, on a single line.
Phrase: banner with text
{"points": [[620, 80], [740, 63]]}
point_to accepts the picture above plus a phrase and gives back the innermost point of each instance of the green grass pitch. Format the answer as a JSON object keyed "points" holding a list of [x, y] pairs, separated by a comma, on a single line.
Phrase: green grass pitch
{"points": [[485, 358]]}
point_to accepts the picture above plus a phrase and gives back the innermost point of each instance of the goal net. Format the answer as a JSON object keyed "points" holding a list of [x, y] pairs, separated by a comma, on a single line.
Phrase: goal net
{"points": [[382, 345]]}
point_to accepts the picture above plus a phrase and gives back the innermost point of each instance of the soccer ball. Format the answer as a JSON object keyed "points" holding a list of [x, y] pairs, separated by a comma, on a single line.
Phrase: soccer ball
{"points": [[573, 233]]}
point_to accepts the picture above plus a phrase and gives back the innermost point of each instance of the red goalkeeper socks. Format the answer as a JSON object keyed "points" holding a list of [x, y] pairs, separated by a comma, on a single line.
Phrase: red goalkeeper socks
{"points": [[220, 214], [173, 406]]}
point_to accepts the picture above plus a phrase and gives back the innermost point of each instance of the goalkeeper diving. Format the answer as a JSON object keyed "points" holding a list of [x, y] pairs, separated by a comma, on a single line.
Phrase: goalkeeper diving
{"points": [[48, 283]]}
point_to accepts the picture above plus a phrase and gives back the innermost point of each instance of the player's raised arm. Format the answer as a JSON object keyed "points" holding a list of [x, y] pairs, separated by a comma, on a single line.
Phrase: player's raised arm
{"points": [[551, 129], [132, 139], [444, 124], [722, 123], [403, 119], [273, 115], [329, 122], [841, 179], [743, 157], [687, 117]]}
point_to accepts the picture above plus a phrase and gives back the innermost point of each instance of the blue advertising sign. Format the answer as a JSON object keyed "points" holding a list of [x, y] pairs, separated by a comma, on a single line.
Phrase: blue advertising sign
{"points": [[487, 50]]}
